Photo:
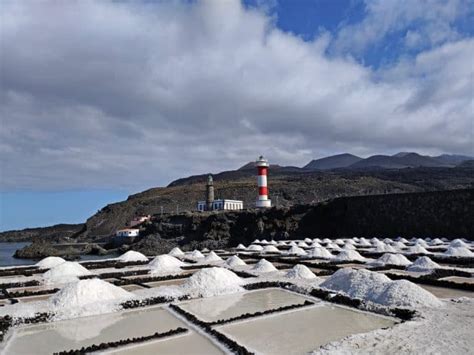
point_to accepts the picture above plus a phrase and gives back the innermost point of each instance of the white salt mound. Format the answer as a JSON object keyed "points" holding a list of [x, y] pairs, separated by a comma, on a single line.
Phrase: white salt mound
{"points": [[176, 252], [212, 258], [423, 263], [403, 293], [348, 246], [165, 263], [307, 240], [458, 243], [212, 282], [234, 260], [270, 249], [49, 262], [255, 247], [378, 288], [458, 251], [384, 248], [398, 245], [88, 293], [264, 266], [437, 241], [347, 255], [296, 251], [302, 245], [132, 256], [421, 242], [315, 245], [356, 283], [417, 249], [392, 259], [321, 253], [300, 272], [65, 272], [364, 243], [241, 247], [196, 254]]}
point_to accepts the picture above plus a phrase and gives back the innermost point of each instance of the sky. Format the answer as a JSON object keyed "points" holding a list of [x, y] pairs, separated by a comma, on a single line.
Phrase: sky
{"points": [[101, 99]]}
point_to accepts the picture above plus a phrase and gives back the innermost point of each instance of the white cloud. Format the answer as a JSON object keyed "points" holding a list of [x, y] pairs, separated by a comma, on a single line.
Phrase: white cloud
{"points": [[111, 94], [426, 23]]}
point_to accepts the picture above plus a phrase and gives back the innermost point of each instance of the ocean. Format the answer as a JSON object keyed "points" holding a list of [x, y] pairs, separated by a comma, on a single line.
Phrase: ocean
{"points": [[6, 254]]}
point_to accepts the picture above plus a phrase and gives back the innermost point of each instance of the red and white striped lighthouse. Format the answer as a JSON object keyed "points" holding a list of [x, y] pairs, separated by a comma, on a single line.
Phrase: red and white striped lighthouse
{"points": [[262, 166]]}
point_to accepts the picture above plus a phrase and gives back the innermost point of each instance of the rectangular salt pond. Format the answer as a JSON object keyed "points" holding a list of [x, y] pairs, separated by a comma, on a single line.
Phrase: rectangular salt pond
{"points": [[190, 343], [302, 330], [229, 306], [75, 333]]}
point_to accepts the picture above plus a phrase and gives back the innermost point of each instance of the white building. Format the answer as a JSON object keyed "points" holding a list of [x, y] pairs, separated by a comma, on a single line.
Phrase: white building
{"points": [[128, 232], [222, 204]]}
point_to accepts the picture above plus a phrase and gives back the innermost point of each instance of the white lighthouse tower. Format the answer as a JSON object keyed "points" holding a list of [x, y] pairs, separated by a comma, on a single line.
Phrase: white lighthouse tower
{"points": [[262, 167]]}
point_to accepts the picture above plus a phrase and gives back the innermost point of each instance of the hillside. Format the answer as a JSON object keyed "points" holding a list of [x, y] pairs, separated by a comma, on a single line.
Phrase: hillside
{"points": [[286, 189], [56, 231], [333, 162], [288, 186], [438, 213]]}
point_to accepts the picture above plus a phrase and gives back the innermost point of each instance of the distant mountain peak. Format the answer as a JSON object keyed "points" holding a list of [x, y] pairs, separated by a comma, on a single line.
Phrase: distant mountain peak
{"points": [[333, 162]]}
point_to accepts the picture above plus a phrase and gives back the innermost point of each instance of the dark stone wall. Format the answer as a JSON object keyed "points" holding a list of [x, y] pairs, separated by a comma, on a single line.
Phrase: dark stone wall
{"points": [[441, 213]]}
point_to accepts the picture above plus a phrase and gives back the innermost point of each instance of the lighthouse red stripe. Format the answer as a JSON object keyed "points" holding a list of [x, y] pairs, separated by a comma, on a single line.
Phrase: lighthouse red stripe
{"points": [[262, 170], [263, 190]]}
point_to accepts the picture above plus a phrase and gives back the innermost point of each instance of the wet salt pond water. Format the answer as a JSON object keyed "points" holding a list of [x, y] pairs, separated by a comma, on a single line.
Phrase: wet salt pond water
{"points": [[190, 343], [300, 331], [228, 306], [76, 333]]}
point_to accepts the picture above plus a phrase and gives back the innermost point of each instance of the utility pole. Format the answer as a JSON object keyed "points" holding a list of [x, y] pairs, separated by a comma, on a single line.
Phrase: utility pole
{"points": [[161, 207], [177, 209]]}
